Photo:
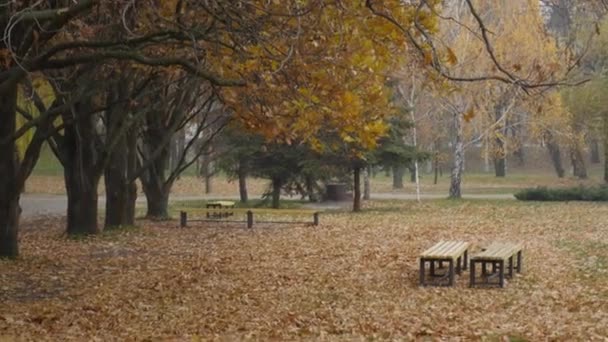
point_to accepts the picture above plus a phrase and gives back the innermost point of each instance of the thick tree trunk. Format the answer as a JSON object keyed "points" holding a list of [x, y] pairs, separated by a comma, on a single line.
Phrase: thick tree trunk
{"points": [[9, 224], [243, 185], [555, 154], [120, 199], [157, 199], [81, 185], [500, 167], [276, 192], [576, 152], [595, 151], [398, 172], [82, 171], [121, 191], [9, 192], [357, 190], [153, 179], [578, 163], [458, 166]]}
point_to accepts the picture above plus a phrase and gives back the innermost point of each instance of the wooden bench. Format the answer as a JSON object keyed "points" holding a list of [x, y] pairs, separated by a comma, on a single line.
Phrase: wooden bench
{"points": [[455, 253], [224, 209], [496, 255]]}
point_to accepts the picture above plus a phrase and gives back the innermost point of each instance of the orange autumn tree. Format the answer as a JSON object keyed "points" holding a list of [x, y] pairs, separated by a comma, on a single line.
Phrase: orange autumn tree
{"points": [[323, 82]]}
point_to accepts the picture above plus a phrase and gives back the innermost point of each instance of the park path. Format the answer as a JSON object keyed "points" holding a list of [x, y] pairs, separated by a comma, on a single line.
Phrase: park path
{"points": [[34, 205]]}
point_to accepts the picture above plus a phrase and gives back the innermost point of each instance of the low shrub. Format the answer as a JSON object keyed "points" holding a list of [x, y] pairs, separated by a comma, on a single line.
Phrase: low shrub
{"points": [[579, 193]]}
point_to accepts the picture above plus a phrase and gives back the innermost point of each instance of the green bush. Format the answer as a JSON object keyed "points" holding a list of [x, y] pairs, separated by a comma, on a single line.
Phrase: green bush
{"points": [[579, 193]]}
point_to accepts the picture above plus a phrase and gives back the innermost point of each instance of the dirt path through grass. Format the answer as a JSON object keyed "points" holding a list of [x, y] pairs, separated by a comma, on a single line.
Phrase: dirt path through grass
{"points": [[34, 205]]}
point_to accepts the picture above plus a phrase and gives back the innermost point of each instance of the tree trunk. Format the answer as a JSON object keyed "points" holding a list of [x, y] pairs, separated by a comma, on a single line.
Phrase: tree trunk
{"points": [[153, 179], [398, 172], [595, 151], [554, 154], [81, 185], [121, 190], [277, 183], [486, 155], [576, 151], [157, 199], [81, 170], [243, 185], [9, 193], [310, 188], [366, 185], [458, 166], [357, 190], [500, 162], [499, 167], [121, 196], [436, 167], [578, 163], [9, 223], [206, 172], [518, 145], [413, 172]]}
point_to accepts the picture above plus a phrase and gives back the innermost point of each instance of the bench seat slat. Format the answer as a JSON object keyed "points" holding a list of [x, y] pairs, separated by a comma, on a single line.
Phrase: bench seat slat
{"points": [[498, 251], [446, 250], [432, 250]]}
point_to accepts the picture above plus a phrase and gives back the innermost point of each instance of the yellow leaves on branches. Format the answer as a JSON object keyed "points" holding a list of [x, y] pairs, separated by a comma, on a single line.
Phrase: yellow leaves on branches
{"points": [[323, 75]]}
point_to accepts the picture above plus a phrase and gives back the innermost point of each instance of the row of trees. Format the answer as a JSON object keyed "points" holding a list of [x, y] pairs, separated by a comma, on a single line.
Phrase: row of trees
{"points": [[130, 90]]}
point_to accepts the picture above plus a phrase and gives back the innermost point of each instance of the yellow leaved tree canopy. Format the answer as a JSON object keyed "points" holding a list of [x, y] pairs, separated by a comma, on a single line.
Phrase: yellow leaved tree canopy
{"points": [[323, 79]]}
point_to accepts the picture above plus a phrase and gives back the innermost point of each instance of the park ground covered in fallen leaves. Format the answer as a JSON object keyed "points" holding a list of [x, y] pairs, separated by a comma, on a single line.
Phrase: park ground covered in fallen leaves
{"points": [[353, 277]]}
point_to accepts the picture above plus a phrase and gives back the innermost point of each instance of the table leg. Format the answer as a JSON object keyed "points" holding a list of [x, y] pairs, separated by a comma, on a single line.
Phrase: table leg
{"points": [[451, 272], [519, 261], [501, 274], [472, 274]]}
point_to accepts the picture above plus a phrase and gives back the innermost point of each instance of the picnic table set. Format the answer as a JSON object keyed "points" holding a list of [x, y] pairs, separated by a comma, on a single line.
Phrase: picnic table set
{"points": [[496, 262]]}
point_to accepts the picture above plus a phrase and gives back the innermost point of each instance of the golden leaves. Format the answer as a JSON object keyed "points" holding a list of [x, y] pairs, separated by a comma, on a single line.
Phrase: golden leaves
{"points": [[469, 115], [451, 57], [428, 58], [337, 281], [333, 80]]}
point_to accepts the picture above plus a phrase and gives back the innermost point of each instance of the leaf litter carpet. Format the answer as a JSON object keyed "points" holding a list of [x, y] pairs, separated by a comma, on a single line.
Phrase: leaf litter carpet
{"points": [[354, 277]]}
